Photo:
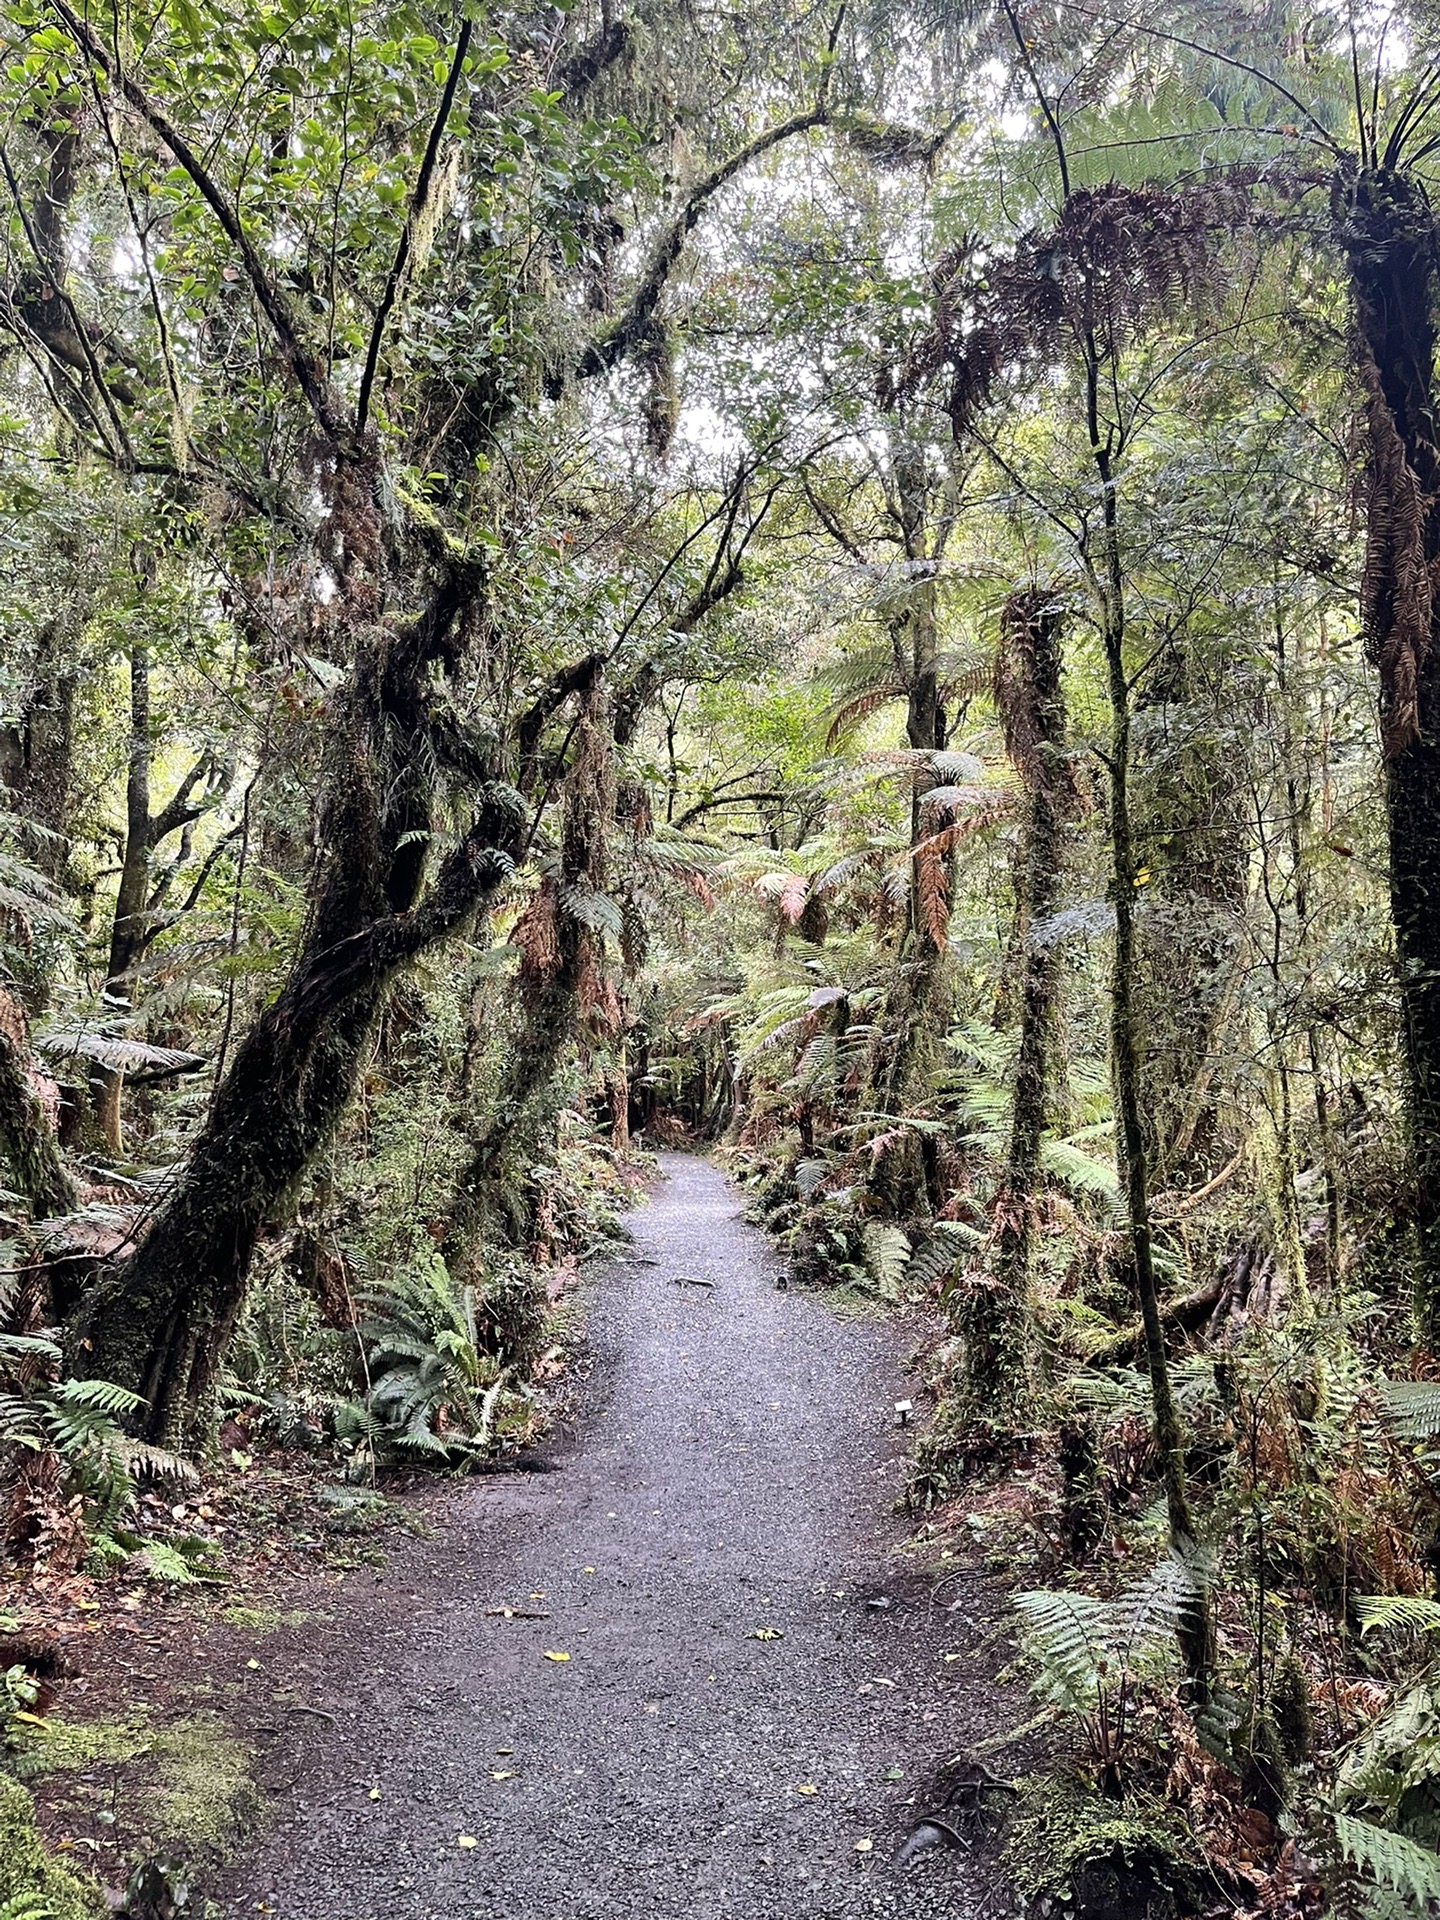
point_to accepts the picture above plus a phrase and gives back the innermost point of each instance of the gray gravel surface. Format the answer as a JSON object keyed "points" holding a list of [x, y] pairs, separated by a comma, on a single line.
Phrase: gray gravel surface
{"points": [[755, 1699]]}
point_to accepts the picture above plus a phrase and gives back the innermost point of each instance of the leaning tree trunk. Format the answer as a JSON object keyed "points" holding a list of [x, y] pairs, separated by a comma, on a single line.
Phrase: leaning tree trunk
{"points": [[993, 1310], [160, 1322], [1394, 263]]}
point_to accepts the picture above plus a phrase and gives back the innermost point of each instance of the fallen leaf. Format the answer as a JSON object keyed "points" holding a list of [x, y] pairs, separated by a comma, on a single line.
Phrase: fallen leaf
{"points": [[466, 1840], [864, 1846], [502, 1773], [767, 1633], [254, 1665], [805, 1788], [29, 1719], [550, 1654], [374, 1793]]}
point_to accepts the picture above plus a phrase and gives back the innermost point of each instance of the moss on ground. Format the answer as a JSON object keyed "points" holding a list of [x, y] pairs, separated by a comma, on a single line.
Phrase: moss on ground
{"points": [[29, 1873], [184, 1784], [265, 1619], [1069, 1850]]}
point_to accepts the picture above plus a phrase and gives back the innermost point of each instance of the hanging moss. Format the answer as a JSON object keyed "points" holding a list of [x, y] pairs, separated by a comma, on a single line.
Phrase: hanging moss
{"points": [[28, 1872]]}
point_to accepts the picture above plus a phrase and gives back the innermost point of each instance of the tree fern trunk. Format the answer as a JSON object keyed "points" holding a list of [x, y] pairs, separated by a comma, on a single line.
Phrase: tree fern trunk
{"points": [[1394, 262], [994, 1313]]}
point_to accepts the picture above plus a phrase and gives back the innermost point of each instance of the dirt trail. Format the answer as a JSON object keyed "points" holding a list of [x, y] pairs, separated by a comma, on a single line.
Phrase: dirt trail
{"points": [[734, 1477]]}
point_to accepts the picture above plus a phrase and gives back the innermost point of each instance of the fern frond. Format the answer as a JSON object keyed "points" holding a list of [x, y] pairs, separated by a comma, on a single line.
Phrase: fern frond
{"points": [[887, 1254], [1064, 1635], [1150, 1614], [1411, 1408], [1402, 1865], [102, 1397], [164, 1562], [1380, 1612], [155, 1464]]}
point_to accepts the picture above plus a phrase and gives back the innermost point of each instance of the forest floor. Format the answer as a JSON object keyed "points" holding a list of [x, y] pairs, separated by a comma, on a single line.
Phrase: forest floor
{"points": [[689, 1674]]}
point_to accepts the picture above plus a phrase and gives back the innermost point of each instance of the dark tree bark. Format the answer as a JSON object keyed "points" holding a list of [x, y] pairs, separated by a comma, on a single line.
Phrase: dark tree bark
{"points": [[1394, 262], [560, 959], [899, 1178], [132, 929], [993, 1312]]}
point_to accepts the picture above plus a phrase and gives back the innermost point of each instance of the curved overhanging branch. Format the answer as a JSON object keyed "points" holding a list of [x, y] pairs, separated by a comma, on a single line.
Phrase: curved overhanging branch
{"points": [[632, 326]]}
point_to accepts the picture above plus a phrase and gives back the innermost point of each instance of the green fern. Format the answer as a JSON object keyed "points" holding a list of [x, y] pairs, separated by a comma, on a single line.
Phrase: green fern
{"points": [[1380, 1612], [887, 1255], [27, 1906], [1081, 1646], [1403, 1866], [1065, 1637], [1411, 1408]]}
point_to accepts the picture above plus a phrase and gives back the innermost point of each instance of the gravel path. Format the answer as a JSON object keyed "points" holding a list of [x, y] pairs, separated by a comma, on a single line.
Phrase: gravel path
{"points": [[753, 1701]]}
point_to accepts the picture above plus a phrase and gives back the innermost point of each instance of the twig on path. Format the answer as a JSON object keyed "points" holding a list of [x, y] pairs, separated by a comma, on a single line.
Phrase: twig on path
{"points": [[956, 1573], [515, 1613], [925, 1835], [316, 1713], [688, 1280]]}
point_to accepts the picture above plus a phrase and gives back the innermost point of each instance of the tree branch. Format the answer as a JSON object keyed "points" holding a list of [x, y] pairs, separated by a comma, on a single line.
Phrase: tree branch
{"points": [[272, 301], [635, 323], [576, 678], [419, 203]]}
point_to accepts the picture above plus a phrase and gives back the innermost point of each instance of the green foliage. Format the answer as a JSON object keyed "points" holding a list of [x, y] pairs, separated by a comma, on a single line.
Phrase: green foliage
{"points": [[1392, 1861], [1091, 1658], [32, 1884], [434, 1388]]}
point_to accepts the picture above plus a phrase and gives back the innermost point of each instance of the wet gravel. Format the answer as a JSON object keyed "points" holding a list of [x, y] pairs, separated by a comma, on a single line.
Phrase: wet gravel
{"points": [[754, 1700]]}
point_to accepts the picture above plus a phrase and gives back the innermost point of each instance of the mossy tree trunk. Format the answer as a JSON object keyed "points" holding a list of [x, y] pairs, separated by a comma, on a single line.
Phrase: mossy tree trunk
{"points": [[560, 980], [993, 1310], [28, 1147], [160, 1323], [1393, 255]]}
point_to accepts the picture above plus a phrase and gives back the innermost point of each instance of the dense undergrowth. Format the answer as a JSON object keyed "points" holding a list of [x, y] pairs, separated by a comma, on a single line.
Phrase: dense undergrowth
{"points": [[859, 590]]}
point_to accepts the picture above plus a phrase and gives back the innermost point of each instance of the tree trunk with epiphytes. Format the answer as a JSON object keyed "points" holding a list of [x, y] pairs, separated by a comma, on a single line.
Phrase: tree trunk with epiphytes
{"points": [[993, 1308], [1388, 229]]}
